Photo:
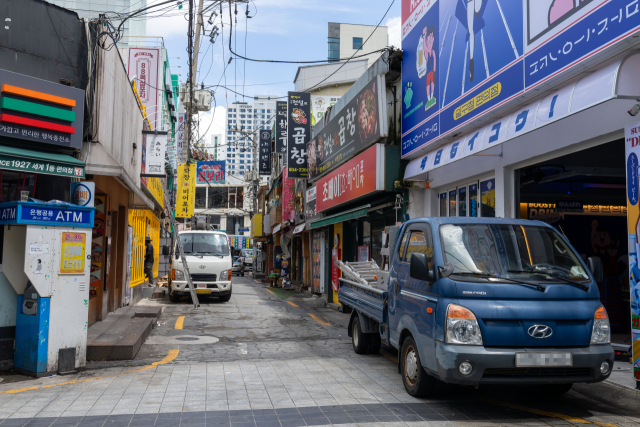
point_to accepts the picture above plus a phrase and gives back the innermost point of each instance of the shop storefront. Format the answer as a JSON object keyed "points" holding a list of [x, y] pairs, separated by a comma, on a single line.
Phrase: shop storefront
{"points": [[554, 153]]}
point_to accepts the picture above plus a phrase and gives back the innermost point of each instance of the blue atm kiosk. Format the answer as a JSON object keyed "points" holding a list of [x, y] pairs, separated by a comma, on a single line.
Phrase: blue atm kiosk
{"points": [[48, 265]]}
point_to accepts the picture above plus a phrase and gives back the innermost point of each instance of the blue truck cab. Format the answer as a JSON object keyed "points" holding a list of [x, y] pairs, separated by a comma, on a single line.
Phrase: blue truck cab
{"points": [[485, 301]]}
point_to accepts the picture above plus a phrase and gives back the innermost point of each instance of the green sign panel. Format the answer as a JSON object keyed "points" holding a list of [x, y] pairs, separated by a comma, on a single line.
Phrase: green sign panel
{"points": [[22, 164]]}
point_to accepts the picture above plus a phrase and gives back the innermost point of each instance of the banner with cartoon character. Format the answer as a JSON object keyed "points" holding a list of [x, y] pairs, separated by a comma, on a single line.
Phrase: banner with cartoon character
{"points": [[632, 149], [465, 58]]}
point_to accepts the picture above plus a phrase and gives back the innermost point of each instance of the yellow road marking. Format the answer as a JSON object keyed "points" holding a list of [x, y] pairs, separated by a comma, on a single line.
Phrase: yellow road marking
{"points": [[270, 291], [548, 414], [317, 319], [290, 303], [179, 323], [388, 356], [169, 358]]}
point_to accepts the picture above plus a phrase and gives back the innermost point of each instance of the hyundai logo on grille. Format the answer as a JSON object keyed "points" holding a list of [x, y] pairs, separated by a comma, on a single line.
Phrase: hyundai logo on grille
{"points": [[540, 331], [202, 267]]}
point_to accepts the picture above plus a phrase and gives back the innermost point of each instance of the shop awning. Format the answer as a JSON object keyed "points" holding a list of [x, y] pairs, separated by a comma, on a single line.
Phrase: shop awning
{"points": [[22, 160], [341, 217], [299, 228]]}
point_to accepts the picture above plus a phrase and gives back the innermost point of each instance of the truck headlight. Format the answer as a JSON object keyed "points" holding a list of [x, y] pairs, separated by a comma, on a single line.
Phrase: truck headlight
{"points": [[225, 275], [177, 275], [601, 329], [462, 326]]}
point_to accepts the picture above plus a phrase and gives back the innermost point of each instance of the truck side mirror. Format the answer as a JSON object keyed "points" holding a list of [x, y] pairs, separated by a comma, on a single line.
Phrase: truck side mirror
{"points": [[419, 268], [166, 250], [595, 265]]}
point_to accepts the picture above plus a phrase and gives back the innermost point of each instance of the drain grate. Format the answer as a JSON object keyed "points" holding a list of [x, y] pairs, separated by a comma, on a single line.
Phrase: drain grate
{"points": [[187, 339]]}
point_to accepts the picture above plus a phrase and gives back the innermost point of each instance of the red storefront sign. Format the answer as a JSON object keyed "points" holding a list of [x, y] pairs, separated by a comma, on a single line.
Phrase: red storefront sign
{"points": [[360, 176]]}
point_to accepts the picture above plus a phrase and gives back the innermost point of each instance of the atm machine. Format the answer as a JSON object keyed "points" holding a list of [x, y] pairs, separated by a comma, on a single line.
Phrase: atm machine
{"points": [[47, 260]]}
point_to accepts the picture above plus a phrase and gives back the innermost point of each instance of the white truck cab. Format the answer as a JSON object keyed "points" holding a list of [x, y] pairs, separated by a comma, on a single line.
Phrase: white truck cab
{"points": [[209, 260]]}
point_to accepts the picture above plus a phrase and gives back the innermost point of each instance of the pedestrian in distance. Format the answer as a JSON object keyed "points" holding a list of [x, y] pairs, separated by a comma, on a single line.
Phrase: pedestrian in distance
{"points": [[148, 259]]}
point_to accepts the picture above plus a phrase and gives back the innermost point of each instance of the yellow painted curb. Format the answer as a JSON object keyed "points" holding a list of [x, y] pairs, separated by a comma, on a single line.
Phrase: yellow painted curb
{"points": [[179, 322], [317, 319], [169, 358], [547, 414]]}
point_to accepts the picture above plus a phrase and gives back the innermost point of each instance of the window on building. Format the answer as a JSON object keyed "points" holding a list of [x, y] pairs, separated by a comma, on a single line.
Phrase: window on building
{"points": [[357, 43], [201, 197], [218, 198], [241, 155], [334, 49], [263, 111]]}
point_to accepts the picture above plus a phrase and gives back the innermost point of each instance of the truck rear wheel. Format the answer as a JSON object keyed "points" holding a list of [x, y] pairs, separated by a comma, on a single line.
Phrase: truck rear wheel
{"points": [[416, 381], [374, 343], [359, 339]]}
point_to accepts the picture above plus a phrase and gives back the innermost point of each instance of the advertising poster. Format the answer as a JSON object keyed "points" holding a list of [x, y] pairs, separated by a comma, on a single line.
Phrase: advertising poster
{"points": [[186, 191], [356, 178], [264, 165], [632, 150], [72, 253], [310, 205], [335, 270], [319, 106], [143, 161], [288, 197], [143, 64], [485, 53], [211, 172], [281, 127], [156, 147], [361, 123], [127, 288], [97, 246], [299, 133]]}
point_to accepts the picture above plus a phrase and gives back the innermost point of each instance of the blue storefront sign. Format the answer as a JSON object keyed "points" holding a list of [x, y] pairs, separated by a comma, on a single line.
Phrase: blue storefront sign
{"points": [[46, 214], [464, 58]]}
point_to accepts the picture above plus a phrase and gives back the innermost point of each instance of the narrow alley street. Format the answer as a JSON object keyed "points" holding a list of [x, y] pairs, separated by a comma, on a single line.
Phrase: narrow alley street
{"points": [[261, 360]]}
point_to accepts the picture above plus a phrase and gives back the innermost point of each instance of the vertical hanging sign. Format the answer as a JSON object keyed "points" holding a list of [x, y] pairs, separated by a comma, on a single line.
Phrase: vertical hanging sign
{"points": [[186, 192], [632, 151], [156, 147], [298, 133], [281, 127], [264, 167]]}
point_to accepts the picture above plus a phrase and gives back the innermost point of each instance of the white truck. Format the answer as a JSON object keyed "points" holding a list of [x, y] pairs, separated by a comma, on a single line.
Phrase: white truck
{"points": [[209, 261]]}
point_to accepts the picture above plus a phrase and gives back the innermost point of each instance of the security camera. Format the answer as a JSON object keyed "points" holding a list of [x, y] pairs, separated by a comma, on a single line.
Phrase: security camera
{"points": [[634, 110]]}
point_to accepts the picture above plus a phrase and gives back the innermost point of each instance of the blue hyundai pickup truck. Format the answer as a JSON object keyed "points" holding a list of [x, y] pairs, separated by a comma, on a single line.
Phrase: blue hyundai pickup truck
{"points": [[484, 301]]}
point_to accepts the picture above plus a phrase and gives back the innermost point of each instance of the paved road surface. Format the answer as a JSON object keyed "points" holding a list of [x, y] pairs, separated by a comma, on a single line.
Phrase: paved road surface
{"points": [[262, 361]]}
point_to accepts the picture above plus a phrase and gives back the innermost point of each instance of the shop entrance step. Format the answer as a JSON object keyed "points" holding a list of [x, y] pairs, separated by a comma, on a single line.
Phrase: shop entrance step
{"points": [[121, 334]]}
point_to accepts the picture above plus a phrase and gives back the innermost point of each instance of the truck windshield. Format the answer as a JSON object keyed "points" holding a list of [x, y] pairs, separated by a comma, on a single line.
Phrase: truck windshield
{"points": [[511, 251], [205, 244]]}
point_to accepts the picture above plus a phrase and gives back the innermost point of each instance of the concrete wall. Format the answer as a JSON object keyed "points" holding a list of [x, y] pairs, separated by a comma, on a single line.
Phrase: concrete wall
{"points": [[379, 40]]}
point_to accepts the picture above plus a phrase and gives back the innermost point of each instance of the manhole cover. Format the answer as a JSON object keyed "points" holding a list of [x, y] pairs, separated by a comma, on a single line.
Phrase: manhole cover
{"points": [[187, 339], [181, 340]]}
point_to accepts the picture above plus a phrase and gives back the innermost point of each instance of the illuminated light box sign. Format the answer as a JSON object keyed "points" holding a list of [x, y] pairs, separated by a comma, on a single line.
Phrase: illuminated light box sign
{"points": [[40, 111], [46, 214]]}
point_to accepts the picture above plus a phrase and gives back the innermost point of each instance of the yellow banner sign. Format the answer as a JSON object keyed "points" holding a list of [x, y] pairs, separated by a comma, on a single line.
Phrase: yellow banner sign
{"points": [[154, 185], [482, 98], [186, 192], [72, 253]]}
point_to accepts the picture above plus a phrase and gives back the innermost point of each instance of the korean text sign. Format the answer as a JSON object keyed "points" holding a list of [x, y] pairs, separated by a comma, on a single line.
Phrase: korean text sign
{"points": [[72, 253], [211, 171], [144, 65], [156, 147], [355, 127], [360, 176], [264, 159], [182, 119], [299, 133], [632, 151], [186, 192], [281, 127], [461, 62]]}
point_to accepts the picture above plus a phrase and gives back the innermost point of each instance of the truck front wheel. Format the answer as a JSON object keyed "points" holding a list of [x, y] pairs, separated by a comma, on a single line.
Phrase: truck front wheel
{"points": [[359, 339], [416, 381]]}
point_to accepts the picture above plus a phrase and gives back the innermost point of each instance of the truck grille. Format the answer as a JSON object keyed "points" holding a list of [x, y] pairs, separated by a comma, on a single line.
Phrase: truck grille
{"points": [[536, 372], [203, 277]]}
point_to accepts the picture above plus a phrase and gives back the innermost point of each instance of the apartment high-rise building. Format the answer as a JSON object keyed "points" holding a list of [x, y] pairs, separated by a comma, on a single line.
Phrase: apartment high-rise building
{"points": [[248, 118], [216, 148]]}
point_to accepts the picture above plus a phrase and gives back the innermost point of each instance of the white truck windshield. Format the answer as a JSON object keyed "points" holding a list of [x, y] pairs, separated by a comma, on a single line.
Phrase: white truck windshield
{"points": [[205, 244], [510, 251]]}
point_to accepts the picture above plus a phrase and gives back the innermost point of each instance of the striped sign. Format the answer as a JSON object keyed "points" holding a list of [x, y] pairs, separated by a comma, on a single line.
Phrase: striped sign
{"points": [[40, 111]]}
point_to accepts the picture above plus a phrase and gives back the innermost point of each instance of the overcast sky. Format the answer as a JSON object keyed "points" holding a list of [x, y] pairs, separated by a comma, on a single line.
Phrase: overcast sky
{"points": [[279, 29]]}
